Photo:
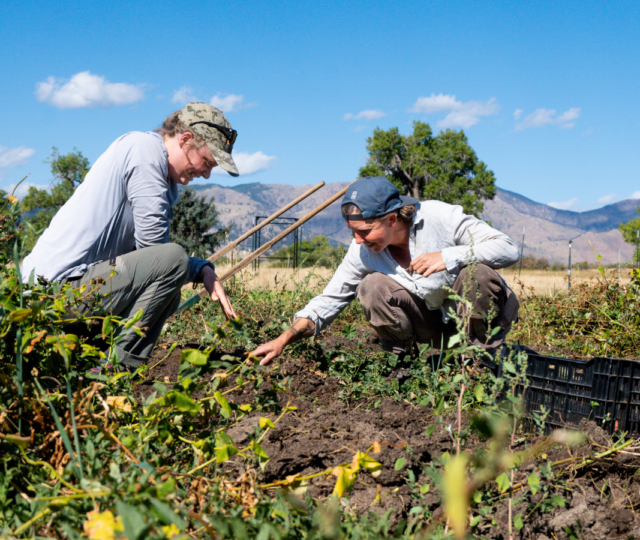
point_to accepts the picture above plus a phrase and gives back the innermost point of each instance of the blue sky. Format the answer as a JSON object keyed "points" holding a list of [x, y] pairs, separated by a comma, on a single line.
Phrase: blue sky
{"points": [[547, 92]]}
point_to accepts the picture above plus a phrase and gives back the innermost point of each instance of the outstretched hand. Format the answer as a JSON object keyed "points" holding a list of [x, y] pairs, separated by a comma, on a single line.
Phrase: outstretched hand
{"points": [[268, 351], [427, 264], [216, 291]]}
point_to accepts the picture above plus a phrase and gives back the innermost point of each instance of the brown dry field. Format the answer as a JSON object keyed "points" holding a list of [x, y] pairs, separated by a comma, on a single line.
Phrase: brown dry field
{"points": [[542, 281]]}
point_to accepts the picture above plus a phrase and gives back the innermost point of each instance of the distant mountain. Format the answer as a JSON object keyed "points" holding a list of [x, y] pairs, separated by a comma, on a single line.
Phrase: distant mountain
{"points": [[603, 219], [548, 229]]}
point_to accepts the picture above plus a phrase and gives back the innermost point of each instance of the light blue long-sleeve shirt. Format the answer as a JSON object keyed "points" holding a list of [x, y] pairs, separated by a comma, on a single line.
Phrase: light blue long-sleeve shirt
{"points": [[437, 226], [124, 203]]}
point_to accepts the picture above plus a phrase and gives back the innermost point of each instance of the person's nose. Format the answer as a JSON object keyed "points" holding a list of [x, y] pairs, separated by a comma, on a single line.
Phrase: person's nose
{"points": [[359, 239], [207, 173]]}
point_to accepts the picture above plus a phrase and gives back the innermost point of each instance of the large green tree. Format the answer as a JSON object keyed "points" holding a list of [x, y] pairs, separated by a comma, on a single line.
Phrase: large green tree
{"points": [[40, 205], [193, 219], [629, 232], [442, 167], [314, 252]]}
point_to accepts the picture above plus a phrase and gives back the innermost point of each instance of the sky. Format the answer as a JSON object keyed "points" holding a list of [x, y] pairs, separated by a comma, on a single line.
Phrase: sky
{"points": [[547, 92]]}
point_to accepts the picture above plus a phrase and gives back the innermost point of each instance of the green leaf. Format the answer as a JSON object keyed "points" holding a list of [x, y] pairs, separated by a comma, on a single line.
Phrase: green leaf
{"points": [[400, 462], [430, 430], [132, 519], [107, 327], [265, 422], [182, 402], [424, 488], [478, 392], [454, 340], [345, 481], [224, 453], [258, 450], [167, 515], [455, 498], [193, 356], [19, 315], [557, 500], [503, 482], [225, 408], [439, 407], [534, 482], [474, 522], [517, 522]]}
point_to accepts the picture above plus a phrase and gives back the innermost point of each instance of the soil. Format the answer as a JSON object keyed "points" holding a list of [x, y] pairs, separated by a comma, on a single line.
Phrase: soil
{"points": [[324, 432]]}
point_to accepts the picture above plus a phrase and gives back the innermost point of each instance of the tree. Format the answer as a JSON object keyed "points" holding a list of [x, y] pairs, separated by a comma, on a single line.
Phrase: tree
{"points": [[442, 167], [629, 232], [193, 218], [314, 252], [40, 205]]}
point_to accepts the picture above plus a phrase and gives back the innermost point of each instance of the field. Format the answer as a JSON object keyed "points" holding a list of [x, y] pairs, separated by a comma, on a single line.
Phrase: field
{"points": [[335, 440], [546, 282]]}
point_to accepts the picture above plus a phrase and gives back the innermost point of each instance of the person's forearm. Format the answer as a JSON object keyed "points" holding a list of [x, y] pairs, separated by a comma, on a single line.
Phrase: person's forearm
{"points": [[301, 328]]}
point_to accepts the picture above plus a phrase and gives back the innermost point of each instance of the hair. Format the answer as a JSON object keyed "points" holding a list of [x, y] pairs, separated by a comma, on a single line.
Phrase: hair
{"points": [[173, 126], [405, 214]]}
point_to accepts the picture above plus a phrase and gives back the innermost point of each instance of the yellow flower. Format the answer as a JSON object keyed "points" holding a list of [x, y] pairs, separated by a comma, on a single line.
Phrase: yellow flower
{"points": [[171, 530], [102, 526]]}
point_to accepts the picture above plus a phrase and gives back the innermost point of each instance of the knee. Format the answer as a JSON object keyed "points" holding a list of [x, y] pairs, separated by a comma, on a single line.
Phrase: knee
{"points": [[481, 277], [372, 290], [178, 260]]}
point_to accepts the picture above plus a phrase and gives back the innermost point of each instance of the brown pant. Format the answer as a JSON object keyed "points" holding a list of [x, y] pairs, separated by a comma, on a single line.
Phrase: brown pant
{"points": [[400, 318]]}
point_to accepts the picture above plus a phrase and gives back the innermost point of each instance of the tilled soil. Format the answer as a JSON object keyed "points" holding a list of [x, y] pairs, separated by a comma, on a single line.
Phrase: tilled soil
{"points": [[324, 432]]}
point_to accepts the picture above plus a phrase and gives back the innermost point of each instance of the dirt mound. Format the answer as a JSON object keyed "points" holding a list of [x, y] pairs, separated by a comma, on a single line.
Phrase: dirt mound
{"points": [[593, 501]]}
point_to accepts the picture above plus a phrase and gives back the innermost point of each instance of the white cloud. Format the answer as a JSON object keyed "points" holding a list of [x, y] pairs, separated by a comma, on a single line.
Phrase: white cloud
{"points": [[607, 199], [517, 114], [87, 90], [249, 163], [22, 189], [462, 114], [13, 157], [230, 102], [567, 205], [544, 117], [183, 96], [435, 103], [635, 195], [369, 114]]}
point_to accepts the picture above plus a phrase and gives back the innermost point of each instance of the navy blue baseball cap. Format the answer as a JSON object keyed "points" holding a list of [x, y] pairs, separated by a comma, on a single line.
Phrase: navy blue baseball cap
{"points": [[375, 196]]}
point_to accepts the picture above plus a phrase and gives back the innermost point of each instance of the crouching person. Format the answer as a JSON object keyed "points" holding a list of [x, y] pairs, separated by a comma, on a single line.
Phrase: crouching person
{"points": [[404, 258], [114, 230]]}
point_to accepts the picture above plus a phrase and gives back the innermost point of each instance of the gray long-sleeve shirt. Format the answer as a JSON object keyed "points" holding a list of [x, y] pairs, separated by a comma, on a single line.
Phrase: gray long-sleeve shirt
{"points": [[123, 204], [437, 226]]}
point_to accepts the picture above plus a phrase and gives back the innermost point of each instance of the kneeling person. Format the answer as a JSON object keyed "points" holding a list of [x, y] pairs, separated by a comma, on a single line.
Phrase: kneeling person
{"points": [[404, 258]]}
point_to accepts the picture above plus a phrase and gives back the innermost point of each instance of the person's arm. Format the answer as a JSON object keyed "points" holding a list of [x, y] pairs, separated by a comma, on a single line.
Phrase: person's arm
{"points": [[216, 291], [301, 328], [476, 241], [321, 310]]}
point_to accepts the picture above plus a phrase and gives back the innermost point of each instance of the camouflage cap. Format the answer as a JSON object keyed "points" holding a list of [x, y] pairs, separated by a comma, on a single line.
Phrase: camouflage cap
{"points": [[216, 140]]}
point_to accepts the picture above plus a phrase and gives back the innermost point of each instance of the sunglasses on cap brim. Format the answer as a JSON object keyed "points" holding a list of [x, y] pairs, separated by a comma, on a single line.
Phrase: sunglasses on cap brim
{"points": [[230, 134]]}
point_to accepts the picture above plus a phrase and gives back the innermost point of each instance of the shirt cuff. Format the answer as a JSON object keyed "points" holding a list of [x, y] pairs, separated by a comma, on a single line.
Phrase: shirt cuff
{"points": [[195, 268], [312, 316]]}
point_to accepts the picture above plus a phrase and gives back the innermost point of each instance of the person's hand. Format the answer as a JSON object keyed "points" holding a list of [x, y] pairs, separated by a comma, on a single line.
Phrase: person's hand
{"points": [[216, 291], [427, 264], [269, 351]]}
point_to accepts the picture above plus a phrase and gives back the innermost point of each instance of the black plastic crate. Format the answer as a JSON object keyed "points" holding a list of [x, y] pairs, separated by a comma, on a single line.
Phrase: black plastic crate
{"points": [[567, 388]]}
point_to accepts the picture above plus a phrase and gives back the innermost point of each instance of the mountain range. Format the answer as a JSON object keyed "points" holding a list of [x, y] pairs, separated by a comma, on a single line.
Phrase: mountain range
{"points": [[547, 229]]}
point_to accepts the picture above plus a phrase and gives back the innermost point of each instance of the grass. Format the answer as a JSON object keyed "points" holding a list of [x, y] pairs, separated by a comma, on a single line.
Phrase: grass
{"points": [[541, 282]]}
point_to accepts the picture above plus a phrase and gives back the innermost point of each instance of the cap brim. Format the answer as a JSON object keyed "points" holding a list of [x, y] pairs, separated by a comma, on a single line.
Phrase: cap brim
{"points": [[408, 201], [224, 160]]}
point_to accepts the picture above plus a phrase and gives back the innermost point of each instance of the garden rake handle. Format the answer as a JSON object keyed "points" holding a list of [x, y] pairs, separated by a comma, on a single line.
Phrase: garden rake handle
{"points": [[226, 249], [248, 260]]}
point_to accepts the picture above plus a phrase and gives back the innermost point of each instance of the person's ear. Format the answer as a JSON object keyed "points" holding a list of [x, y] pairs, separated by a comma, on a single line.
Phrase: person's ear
{"points": [[185, 137], [393, 219]]}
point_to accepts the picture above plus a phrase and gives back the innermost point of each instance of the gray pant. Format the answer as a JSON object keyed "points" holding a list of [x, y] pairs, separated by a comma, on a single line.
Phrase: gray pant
{"points": [[400, 318], [149, 279]]}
